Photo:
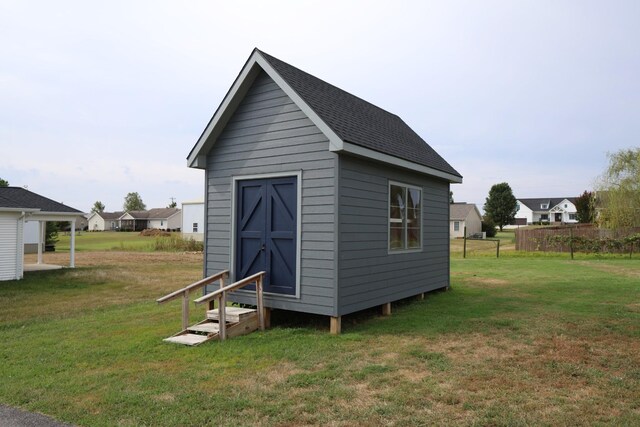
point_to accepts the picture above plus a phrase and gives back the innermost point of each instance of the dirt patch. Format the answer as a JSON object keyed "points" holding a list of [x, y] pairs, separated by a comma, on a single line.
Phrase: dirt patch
{"points": [[487, 282]]}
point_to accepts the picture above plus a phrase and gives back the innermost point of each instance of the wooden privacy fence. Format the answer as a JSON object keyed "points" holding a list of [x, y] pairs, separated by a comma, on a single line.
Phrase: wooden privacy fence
{"points": [[578, 238]]}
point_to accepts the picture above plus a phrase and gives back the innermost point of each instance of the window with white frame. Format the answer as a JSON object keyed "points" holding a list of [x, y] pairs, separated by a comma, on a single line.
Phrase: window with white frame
{"points": [[572, 216], [456, 225], [405, 217], [195, 227]]}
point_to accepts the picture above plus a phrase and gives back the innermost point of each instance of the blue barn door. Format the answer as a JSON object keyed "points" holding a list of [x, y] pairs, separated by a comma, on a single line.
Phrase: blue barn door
{"points": [[266, 230]]}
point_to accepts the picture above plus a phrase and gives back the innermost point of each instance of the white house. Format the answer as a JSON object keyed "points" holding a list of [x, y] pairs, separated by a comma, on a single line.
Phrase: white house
{"points": [[158, 218], [193, 220], [17, 206], [104, 221], [558, 210], [463, 215]]}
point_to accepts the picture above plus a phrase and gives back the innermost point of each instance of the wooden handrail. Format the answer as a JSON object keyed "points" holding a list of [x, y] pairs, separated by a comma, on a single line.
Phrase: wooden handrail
{"points": [[184, 293], [221, 296], [200, 283], [229, 288]]}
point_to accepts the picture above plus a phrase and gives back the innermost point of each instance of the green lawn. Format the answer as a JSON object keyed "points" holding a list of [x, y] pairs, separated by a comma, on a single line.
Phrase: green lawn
{"points": [[518, 340], [105, 241]]}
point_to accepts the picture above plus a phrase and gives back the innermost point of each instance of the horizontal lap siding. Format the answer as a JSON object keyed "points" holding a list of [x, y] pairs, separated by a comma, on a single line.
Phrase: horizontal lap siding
{"points": [[368, 275], [268, 133], [10, 259]]}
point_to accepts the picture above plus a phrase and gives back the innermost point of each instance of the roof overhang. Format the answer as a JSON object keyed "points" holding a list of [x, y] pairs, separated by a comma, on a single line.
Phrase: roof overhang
{"points": [[360, 151], [54, 216], [25, 210]]}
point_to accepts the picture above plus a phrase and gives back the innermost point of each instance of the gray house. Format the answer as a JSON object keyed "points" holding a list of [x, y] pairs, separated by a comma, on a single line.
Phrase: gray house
{"points": [[339, 201]]}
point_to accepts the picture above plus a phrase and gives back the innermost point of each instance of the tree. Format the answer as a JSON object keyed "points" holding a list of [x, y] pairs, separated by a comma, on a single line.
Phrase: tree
{"points": [[98, 206], [450, 197], [51, 233], [619, 190], [501, 205], [133, 202], [173, 203], [4, 183], [585, 213]]}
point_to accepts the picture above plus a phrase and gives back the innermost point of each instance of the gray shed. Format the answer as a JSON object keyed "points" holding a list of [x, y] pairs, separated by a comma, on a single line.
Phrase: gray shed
{"points": [[341, 203]]}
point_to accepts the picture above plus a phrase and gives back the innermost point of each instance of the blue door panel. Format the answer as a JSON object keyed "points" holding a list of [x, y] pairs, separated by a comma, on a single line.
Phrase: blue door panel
{"points": [[266, 232]]}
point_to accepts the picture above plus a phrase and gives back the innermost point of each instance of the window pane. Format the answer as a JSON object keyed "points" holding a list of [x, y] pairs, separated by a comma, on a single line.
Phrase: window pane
{"points": [[397, 197], [413, 235], [405, 217], [413, 198], [396, 236]]}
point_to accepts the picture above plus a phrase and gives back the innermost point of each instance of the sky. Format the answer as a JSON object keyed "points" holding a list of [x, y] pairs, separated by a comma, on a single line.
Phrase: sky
{"points": [[99, 99]]}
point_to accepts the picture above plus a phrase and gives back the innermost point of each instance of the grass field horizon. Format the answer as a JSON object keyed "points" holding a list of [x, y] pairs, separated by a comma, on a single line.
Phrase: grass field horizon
{"points": [[519, 340]]}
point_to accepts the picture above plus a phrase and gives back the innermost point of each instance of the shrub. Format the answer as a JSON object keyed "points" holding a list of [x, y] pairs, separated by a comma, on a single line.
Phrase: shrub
{"points": [[489, 227]]}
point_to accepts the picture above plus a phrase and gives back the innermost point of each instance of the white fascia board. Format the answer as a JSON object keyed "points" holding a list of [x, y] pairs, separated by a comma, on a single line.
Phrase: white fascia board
{"points": [[335, 142], [357, 150], [26, 210], [55, 216]]}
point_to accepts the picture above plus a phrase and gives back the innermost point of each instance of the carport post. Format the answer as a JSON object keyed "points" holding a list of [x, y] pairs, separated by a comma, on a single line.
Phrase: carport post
{"points": [[72, 255], [42, 226], [464, 246]]}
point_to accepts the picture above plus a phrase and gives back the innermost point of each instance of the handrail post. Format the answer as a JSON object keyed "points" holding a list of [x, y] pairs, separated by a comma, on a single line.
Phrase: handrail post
{"points": [[222, 312], [259, 302], [222, 317], [185, 309]]}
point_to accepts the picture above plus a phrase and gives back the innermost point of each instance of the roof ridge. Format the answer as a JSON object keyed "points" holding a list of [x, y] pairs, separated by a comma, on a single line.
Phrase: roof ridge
{"points": [[327, 83]]}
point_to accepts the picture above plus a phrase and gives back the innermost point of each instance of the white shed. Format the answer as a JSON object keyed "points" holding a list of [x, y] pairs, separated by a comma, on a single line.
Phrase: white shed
{"points": [[193, 220]]}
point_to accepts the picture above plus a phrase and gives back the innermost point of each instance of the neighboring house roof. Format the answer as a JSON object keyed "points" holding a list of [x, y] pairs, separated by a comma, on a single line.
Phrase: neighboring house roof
{"points": [[460, 211], [550, 202], [109, 215], [155, 213], [352, 124], [18, 197]]}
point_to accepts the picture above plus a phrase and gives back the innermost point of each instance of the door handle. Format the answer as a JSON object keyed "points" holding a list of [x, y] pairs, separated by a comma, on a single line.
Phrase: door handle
{"points": [[262, 248]]}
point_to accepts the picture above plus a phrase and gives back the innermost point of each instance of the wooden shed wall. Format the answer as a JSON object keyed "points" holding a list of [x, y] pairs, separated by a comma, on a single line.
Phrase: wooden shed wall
{"points": [[368, 275], [268, 133]]}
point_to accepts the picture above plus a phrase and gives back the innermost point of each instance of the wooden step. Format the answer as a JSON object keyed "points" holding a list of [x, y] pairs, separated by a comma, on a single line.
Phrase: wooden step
{"points": [[206, 327], [234, 314], [188, 339]]}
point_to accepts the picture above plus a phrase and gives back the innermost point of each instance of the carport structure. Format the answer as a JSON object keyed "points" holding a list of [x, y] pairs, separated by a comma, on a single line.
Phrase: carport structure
{"points": [[18, 206]]}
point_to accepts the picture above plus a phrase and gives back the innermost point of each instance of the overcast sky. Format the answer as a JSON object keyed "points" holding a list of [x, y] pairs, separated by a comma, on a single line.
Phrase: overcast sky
{"points": [[98, 99]]}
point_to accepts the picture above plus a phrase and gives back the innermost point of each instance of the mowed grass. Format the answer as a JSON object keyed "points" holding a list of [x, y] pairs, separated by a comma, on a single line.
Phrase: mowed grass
{"points": [[105, 241], [516, 341]]}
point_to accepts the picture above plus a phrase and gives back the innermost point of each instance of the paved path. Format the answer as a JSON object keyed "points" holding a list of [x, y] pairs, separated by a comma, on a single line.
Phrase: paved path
{"points": [[12, 417]]}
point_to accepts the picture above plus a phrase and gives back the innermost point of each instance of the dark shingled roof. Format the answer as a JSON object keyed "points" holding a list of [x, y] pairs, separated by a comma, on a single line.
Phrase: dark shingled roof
{"points": [[359, 122], [534, 204], [18, 197], [111, 215]]}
